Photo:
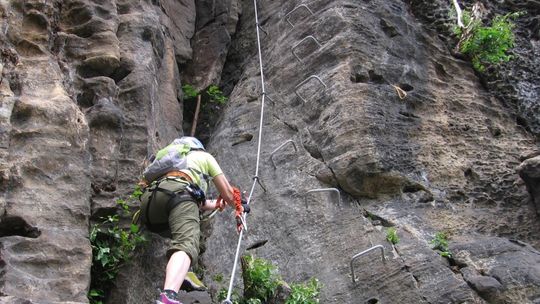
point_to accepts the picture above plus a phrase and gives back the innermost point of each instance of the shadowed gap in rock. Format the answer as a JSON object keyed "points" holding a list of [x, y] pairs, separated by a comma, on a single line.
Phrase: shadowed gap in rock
{"points": [[15, 225]]}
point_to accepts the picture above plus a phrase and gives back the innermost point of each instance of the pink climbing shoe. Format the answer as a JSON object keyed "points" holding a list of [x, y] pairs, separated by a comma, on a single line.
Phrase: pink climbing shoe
{"points": [[168, 297]]}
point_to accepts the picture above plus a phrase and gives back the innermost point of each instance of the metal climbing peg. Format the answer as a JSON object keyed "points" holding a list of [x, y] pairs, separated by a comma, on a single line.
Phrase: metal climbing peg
{"points": [[326, 190], [304, 82], [356, 256], [301, 41], [287, 17], [278, 148], [263, 30]]}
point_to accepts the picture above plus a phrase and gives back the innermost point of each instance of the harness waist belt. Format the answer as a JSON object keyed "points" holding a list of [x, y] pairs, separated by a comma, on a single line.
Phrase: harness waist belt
{"points": [[178, 174]]}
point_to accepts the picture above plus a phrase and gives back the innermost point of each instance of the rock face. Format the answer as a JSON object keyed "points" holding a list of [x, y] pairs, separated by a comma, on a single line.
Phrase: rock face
{"points": [[88, 89], [46, 186], [501, 271], [516, 82], [374, 103], [441, 159], [216, 24], [529, 171]]}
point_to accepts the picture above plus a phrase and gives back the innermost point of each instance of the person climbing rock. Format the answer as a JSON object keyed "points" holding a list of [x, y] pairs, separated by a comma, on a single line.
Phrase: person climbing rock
{"points": [[174, 196]]}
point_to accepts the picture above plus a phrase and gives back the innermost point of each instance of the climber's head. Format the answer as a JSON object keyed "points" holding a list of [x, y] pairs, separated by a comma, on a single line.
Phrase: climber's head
{"points": [[193, 142]]}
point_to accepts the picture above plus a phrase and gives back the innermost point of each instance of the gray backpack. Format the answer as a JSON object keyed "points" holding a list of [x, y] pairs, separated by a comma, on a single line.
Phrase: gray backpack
{"points": [[170, 158]]}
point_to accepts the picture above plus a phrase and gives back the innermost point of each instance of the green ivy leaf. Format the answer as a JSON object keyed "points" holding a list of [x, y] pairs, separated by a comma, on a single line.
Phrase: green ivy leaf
{"points": [[134, 228], [189, 91]]}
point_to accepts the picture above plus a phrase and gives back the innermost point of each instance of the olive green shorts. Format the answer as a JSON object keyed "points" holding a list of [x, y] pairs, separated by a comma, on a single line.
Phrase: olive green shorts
{"points": [[184, 223], [183, 220]]}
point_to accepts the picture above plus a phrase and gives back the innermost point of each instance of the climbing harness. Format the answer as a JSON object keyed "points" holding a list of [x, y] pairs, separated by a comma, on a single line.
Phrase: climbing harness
{"points": [[175, 199], [188, 192]]}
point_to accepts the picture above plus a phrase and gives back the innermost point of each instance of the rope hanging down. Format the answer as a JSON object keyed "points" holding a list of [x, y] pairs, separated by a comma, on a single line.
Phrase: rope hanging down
{"points": [[256, 176]]}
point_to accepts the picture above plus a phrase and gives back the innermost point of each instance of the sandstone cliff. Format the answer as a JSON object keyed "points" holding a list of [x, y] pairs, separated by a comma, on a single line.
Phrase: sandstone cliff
{"points": [[90, 88]]}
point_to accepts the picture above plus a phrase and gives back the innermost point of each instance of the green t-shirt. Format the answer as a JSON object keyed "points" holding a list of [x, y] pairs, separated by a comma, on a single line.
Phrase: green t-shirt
{"points": [[204, 163]]}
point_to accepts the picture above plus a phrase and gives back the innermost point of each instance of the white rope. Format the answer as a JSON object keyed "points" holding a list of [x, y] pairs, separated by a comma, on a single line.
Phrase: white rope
{"points": [[459, 14], [256, 177]]}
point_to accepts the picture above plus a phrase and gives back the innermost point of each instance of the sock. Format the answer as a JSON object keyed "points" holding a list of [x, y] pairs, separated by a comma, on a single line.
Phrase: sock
{"points": [[171, 294]]}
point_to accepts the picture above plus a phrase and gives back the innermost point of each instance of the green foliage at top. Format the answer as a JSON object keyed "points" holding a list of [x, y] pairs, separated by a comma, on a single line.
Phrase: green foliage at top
{"points": [[261, 278], [391, 235], [112, 247], [486, 44], [213, 93], [440, 243], [216, 95], [189, 91], [305, 293]]}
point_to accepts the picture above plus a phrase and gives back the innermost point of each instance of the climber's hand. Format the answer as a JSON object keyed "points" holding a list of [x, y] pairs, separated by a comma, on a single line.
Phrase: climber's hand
{"points": [[245, 206], [240, 223]]}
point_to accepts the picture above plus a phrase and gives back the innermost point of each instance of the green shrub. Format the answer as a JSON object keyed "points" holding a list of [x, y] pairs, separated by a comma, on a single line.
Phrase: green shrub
{"points": [[305, 293], [440, 243], [486, 44], [218, 278], [222, 295], [261, 281], [260, 278], [112, 247], [215, 95], [391, 235], [189, 91]]}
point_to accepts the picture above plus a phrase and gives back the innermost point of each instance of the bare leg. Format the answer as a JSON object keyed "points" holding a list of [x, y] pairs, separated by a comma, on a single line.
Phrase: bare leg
{"points": [[177, 268]]}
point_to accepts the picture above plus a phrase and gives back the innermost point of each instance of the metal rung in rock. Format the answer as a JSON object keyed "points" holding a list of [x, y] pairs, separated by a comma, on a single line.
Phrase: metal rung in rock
{"points": [[278, 148], [325, 190], [300, 42], [306, 81], [287, 17], [363, 253], [263, 30]]}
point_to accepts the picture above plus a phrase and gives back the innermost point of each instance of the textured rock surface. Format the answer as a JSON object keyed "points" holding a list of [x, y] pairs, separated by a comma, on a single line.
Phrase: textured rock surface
{"points": [[216, 23], [444, 158], [516, 82], [502, 271], [90, 87], [529, 170], [45, 161]]}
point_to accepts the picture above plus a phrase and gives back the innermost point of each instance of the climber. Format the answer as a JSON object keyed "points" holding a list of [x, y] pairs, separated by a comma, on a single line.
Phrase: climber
{"points": [[174, 197]]}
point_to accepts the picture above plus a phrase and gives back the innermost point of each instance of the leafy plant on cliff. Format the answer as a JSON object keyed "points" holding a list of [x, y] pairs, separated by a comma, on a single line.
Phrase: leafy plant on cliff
{"points": [[212, 94], [486, 45], [261, 280], [209, 102], [307, 293], [216, 95], [189, 91], [440, 243], [391, 235], [112, 247], [222, 295]]}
